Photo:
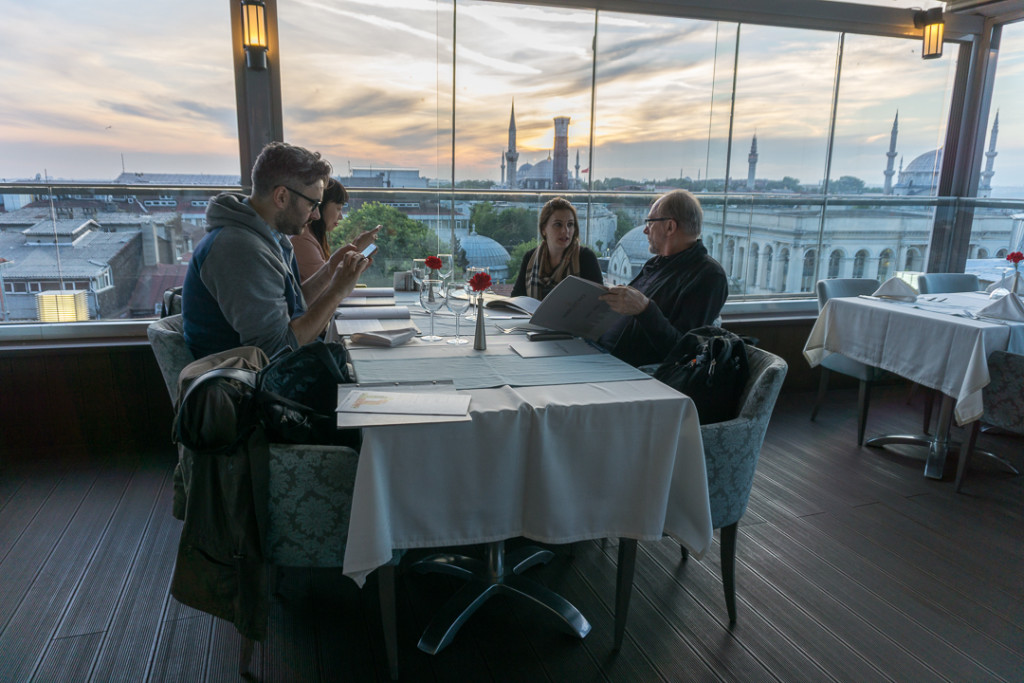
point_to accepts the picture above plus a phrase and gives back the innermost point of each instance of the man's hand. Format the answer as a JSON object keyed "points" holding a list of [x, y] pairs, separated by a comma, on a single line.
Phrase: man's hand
{"points": [[346, 275], [625, 300]]}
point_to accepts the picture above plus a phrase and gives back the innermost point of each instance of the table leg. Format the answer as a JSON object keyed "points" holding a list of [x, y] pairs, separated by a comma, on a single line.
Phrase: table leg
{"points": [[499, 575], [938, 445]]}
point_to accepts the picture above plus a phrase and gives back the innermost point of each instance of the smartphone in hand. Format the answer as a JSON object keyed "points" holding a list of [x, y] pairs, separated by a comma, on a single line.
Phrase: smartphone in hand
{"points": [[369, 250]]}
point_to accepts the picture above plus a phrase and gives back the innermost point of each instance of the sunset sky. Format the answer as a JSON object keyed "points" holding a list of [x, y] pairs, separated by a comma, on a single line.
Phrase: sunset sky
{"points": [[369, 84]]}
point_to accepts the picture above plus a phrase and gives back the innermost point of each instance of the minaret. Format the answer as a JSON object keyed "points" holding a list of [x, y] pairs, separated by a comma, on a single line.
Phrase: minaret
{"points": [[512, 156], [990, 158], [560, 165], [577, 168], [891, 154], [502, 168], [752, 161]]}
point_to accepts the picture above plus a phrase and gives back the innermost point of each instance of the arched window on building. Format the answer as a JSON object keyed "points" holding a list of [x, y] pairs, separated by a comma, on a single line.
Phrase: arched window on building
{"points": [[783, 271], [730, 253], [807, 276], [859, 261], [885, 265], [741, 258], [1001, 253], [751, 278], [835, 259], [767, 282], [982, 253], [914, 260]]}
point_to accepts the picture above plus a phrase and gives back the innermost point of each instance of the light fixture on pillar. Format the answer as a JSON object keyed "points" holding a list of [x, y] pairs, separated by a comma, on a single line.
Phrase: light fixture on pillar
{"points": [[934, 29], [254, 34]]}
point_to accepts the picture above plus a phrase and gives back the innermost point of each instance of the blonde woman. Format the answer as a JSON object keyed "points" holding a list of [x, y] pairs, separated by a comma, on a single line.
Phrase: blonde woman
{"points": [[558, 255]]}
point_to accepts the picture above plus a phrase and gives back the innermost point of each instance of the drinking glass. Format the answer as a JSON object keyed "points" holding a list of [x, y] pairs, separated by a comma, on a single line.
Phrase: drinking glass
{"points": [[419, 271], [432, 299], [470, 272], [457, 298], [447, 266]]}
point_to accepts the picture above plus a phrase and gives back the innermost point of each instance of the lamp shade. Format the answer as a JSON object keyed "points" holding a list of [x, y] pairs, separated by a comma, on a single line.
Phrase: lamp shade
{"points": [[934, 30], [254, 34]]}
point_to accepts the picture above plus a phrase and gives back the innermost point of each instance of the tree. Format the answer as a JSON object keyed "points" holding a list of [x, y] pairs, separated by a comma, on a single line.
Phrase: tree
{"points": [[400, 239], [509, 227], [518, 253], [599, 244], [623, 224], [846, 184], [475, 184]]}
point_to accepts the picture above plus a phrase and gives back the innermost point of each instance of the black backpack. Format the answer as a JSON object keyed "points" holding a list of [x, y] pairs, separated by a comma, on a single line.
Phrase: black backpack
{"points": [[709, 364], [292, 397]]}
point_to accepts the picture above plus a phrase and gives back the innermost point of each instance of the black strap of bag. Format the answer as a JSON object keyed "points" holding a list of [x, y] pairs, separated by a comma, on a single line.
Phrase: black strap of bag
{"points": [[187, 407]]}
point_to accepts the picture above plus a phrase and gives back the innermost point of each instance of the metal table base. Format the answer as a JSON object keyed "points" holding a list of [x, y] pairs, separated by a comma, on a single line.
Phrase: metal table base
{"points": [[938, 445], [500, 574]]}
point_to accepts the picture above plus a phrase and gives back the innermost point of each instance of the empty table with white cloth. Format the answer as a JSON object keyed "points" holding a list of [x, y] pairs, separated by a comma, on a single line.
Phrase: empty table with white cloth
{"points": [[937, 341]]}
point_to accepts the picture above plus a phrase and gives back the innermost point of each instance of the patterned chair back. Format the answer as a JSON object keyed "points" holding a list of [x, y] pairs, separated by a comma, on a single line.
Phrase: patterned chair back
{"points": [[1003, 398], [731, 448]]}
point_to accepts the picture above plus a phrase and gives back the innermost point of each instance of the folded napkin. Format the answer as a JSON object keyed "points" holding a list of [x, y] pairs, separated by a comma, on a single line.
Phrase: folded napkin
{"points": [[895, 288], [1007, 283], [1009, 307], [384, 337]]}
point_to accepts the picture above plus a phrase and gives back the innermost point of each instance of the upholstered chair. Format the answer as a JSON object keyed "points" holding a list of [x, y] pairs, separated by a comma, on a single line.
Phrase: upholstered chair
{"points": [[1003, 404], [939, 283], [731, 450], [310, 496], [864, 374]]}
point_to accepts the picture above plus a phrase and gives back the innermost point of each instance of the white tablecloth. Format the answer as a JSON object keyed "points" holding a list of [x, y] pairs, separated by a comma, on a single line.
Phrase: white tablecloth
{"points": [[556, 464], [924, 342]]}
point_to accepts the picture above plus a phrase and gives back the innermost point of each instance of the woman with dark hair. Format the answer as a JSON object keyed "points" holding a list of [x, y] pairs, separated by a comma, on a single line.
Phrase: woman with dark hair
{"points": [[311, 250], [558, 255]]}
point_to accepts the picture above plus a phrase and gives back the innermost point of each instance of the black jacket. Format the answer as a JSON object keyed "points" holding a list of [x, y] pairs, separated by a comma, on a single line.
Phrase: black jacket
{"points": [[687, 290]]}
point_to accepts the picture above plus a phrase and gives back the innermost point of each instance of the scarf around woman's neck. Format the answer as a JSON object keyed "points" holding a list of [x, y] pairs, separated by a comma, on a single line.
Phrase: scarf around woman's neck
{"points": [[542, 277]]}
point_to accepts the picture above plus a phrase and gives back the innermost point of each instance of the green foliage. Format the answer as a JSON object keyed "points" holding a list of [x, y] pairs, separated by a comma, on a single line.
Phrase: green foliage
{"points": [[401, 237], [518, 253], [846, 184], [623, 224], [508, 227], [475, 184]]}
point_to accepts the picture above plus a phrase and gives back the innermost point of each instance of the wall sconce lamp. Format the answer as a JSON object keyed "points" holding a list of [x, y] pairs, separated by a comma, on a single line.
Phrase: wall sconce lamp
{"points": [[254, 34], [934, 29]]}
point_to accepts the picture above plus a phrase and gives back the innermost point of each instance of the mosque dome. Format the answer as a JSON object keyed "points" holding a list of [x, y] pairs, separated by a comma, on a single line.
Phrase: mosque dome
{"points": [[635, 244], [540, 170], [926, 163], [483, 251]]}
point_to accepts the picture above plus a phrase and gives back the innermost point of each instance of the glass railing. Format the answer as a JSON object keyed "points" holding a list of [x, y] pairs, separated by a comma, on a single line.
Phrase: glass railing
{"points": [[117, 248]]}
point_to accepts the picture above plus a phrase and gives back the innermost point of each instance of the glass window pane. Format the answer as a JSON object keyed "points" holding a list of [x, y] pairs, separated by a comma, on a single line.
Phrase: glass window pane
{"points": [[94, 89]]}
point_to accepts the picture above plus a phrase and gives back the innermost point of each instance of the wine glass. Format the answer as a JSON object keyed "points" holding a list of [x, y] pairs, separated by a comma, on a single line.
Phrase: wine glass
{"points": [[419, 271], [432, 299], [470, 272], [447, 266], [457, 298]]}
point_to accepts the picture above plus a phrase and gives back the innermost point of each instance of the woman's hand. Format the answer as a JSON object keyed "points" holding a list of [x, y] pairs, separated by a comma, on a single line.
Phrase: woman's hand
{"points": [[365, 239], [625, 300]]}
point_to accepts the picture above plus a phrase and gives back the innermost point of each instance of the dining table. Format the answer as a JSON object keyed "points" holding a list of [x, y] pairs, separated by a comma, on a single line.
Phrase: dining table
{"points": [[557, 449], [941, 341]]}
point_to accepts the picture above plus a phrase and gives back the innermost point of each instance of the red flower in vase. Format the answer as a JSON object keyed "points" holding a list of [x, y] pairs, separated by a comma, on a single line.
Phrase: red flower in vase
{"points": [[480, 282], [433, 263], [1015, 257]]}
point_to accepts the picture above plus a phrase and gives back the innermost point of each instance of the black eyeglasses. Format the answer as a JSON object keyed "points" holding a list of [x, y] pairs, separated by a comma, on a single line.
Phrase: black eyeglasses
{"points": [[315, 202], [648, 221]]}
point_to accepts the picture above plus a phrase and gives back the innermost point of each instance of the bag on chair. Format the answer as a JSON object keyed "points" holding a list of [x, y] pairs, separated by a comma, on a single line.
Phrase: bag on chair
{"points": [[709, 364]]}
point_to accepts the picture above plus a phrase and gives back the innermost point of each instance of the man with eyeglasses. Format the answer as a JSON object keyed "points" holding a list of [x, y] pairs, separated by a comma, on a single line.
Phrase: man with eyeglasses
{"points": [[679, 289], [242, 287]]}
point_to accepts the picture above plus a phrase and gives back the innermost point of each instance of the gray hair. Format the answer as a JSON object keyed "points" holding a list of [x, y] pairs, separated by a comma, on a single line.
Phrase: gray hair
{"points": [[282, 164], [684, 208]]}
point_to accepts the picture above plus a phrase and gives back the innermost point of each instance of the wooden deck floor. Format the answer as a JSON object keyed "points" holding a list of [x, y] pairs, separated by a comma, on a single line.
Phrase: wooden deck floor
{"points": [[851, 567]]}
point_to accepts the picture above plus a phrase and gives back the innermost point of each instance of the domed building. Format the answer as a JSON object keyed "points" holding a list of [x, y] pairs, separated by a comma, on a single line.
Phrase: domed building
{"points": [[628, 257], [921, 176], [483, 252]]}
